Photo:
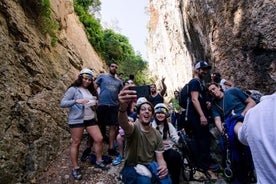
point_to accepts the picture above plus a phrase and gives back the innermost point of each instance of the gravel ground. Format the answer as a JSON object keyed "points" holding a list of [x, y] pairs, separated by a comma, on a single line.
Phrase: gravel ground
{"points": [[59, 171]]}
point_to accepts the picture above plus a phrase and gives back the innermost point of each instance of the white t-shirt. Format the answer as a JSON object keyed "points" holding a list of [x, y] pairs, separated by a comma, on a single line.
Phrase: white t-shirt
{"points": [[222, 84], [88, 112], [259, 132]]}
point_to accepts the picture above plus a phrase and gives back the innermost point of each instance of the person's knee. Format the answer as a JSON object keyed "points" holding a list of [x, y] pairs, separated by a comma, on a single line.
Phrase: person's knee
{"points": [[76, 142], [98, 139]]}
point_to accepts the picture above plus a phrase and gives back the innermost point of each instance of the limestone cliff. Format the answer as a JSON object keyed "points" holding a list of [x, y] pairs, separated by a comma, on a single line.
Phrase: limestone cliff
{"points": [[34, 76], [236, 37]]}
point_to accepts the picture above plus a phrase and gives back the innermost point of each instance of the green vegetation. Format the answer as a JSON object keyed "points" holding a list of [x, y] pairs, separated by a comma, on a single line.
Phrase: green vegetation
{"points": [[42, 10], [109, 44]]}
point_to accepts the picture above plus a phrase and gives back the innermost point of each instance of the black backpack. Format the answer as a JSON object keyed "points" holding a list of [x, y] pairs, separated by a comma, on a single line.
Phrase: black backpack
{"points": [[184, 99], [184, 96]]}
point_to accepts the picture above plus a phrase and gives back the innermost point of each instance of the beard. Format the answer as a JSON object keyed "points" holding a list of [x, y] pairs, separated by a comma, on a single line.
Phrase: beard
{"points": [[112, 72]]}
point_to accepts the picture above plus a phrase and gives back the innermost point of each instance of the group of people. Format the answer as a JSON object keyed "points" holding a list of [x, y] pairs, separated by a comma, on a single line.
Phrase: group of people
{"points": [[147, 139]]}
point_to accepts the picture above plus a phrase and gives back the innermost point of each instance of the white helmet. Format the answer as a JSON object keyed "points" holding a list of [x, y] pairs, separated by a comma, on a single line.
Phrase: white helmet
{"points": [[161, 108], [141, 100], [86, 71]]}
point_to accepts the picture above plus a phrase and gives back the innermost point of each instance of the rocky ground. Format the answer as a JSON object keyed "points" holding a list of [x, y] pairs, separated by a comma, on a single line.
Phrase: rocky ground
{"points": [[59, 172]]}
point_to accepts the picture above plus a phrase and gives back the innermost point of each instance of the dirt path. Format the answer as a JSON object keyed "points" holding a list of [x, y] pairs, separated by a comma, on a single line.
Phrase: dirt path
{"points": [[59, 172]]}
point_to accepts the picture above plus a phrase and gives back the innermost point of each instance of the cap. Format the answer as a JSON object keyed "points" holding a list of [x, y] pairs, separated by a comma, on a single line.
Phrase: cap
{"points": [[87, 71], [202, 64], [161, 108]]}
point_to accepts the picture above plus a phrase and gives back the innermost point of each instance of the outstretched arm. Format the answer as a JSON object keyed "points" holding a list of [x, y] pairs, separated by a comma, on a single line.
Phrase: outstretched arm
{"points": [[126, 96], [164, 87]]}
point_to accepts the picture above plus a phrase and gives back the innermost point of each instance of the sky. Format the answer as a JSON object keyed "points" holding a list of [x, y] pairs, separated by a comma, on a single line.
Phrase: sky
{"points": [[129, 18]]}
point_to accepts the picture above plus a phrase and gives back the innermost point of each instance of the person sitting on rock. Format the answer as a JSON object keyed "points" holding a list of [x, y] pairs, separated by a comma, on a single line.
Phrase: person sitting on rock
{"points": [[170, 140]]}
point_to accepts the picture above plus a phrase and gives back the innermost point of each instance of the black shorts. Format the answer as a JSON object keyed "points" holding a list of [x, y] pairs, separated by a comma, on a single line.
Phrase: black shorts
{"points": [[107, 115], [86, 123]]}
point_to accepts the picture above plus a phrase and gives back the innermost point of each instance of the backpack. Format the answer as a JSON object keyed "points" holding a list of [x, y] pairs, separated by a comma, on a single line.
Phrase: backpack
{"points": [[184, 100], [184, 96]]}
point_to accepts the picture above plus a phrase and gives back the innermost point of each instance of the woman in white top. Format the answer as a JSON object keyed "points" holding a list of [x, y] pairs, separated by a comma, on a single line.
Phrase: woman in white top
{"points": [[81, 97], [170, 139]]}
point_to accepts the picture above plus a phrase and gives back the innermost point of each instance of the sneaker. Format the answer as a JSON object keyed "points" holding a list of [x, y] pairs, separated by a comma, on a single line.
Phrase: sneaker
{"points": [[112, 152], [76, 174], [85, 154], [101, 165], [117, 160], [214, 167]]}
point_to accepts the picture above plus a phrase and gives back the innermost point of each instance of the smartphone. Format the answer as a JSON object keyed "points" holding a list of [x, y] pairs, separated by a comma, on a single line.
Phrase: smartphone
{"points": [[142, 91]]}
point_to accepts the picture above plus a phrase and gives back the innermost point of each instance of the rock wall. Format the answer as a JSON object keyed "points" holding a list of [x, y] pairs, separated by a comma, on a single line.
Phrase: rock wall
{"points": [[236, 37], [33, 78]]}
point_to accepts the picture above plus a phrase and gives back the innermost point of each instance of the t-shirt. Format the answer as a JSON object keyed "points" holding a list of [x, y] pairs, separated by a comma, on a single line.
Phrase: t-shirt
{"points": [[155, 100], [175, 105], [258, 131], [234, 99], [109, 89], [222, 84], [197, 85], [88, 112], [141, 145]]}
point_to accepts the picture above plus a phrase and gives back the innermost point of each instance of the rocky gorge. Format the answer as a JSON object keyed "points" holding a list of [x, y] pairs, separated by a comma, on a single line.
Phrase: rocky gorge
{"points": [[236, 37]]}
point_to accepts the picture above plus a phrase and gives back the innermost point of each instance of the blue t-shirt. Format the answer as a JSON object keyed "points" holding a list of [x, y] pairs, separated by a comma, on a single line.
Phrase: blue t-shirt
{"points": [[234, 99], [109, 89]]}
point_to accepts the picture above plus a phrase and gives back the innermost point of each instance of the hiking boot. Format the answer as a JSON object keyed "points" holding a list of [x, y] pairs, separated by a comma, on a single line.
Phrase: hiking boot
{"points": [[85, 154], [112, 152], [214, 167], [101, 165], [76, 174], [117, 160]]}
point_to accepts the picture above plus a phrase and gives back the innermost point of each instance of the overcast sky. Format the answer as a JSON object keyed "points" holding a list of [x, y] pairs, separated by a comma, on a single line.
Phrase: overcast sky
{"points": [[129, 18]]}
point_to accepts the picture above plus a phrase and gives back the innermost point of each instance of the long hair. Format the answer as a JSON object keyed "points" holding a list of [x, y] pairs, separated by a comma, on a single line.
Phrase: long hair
{"points": [[91, 88], [166, 129]]}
